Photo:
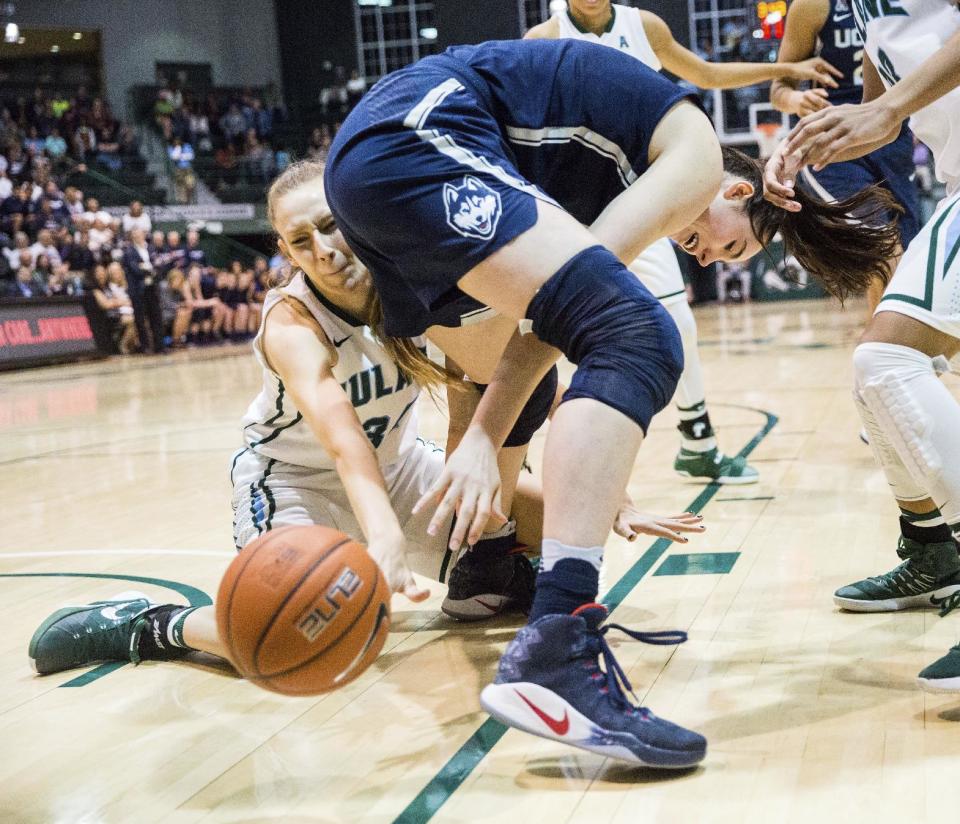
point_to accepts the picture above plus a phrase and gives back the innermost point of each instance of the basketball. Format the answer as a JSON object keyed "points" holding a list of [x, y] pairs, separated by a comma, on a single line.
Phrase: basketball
{"points": [[303, 610]]}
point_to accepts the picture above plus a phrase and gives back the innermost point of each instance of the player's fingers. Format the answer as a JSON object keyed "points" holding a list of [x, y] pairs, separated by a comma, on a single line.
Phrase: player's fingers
{"points": [[480, 519], [414, 592], [434, 491], [463, 531], [444, 510], [826, 80], [829, 153], [831, 68], [496, 510]]}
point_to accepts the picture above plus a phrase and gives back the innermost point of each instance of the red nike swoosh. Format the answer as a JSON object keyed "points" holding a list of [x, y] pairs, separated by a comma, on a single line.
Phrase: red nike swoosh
{"points": [[559, 727], [485, 604]]}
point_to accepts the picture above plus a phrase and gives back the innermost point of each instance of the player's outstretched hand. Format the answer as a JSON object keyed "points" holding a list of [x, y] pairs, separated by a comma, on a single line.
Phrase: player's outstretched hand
{"points": [[391, 556], [840, 132], [469, 484], [817, 70], [631, 523], [780, 176]]}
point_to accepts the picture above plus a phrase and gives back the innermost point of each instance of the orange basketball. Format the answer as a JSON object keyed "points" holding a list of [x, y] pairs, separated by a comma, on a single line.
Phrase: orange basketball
{"points": [[303, 610]]}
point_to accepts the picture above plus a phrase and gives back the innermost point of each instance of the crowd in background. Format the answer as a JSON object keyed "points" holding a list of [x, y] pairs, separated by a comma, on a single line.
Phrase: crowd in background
{"points": [[235, 130], [143, 289], [55, 129]]}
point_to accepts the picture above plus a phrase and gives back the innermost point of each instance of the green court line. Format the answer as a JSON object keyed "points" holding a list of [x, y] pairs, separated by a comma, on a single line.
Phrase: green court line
{"points": [[697, 563], [195, 598], [463, 762]]}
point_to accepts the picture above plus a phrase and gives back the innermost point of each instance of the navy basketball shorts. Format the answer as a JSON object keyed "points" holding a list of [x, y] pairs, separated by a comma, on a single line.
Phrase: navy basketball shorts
{"points": [[424, 188], [892, 166]]}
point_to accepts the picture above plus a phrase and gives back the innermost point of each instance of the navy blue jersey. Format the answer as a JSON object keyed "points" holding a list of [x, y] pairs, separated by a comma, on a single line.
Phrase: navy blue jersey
{"points": [[841, 45], [441, 163]]}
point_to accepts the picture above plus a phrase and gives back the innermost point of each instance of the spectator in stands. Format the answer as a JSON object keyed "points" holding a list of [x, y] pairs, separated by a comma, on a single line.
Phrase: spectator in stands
{"points": [[44, 246], [184, 180], [233, 125], [319, 146], [21, 243], [108, 144], [136, 218], [78, 255], [101, 234], [262, 119], [42, 269], [33, 142], [47, 218], [144, 293], [6, 185], [175, 255], [73, 201], [259, 286], [26, 285], [16, 211], [199, 126], [84, 140], [281, 159], [55, 146], [53, 195], [61, 282], [195, 255], [94, 212], [158, 246], [177, 306], [17, 163], [257, 157]]}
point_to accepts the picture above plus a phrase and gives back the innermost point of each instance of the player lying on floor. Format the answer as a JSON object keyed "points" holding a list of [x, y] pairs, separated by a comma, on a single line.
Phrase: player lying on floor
{"points": [[332, 439]]}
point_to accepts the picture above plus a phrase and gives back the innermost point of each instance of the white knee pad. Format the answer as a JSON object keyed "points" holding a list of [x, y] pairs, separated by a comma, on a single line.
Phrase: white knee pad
{"points": [[917, 418]]}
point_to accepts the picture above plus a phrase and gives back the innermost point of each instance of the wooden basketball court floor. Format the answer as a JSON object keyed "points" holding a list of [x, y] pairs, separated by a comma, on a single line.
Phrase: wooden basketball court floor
{"points": [[115, 477]]}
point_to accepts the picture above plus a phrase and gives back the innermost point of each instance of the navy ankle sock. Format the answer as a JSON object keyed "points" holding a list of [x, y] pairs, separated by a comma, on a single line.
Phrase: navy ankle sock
{"points": [[569, 585]]}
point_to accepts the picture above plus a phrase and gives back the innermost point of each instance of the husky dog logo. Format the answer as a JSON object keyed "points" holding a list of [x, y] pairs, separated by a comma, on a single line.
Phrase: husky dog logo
{"points": [[473, 208]]}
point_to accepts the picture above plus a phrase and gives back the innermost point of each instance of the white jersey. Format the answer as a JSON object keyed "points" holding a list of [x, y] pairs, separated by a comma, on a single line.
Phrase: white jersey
{"points": [[899, 36], [625, 33], [384, 400]]}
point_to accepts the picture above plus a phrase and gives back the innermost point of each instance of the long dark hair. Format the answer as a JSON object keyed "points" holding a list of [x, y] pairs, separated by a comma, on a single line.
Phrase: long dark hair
{"points": [[846, 244]]}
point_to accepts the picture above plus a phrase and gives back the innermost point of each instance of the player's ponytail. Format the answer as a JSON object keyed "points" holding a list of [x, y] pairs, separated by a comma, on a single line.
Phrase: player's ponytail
{"points": [[845, 244], [409, 358]]}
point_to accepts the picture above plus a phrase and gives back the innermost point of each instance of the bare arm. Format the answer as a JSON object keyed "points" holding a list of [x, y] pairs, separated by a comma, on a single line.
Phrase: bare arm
{"points": [[684, 174], [684, 63], [846, 132], [804, 22], [298, 351], [548, 30]]}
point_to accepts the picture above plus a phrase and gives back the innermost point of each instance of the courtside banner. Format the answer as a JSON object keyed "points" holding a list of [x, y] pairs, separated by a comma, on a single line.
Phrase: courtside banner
{"points": [[48, 329]]}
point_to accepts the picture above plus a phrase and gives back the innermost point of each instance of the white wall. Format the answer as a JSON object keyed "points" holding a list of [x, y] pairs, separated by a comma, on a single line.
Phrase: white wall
{"points": [[237, 37]]}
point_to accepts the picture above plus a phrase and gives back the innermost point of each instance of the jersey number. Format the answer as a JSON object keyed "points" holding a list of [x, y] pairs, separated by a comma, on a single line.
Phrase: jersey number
{"points": [[858, 71], [375, 429]]}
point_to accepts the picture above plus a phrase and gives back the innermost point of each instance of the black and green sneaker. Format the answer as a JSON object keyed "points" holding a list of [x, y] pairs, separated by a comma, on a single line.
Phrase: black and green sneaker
{"points": [[928, 577], [943, 675], [714, 467], [75, 636]]}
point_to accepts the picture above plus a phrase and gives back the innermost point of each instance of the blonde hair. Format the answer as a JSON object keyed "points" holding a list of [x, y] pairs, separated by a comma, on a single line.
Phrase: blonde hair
{"points": [[404, 352]]}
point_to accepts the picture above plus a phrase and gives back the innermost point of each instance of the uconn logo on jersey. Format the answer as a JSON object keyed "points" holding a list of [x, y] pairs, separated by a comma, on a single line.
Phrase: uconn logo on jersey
{"points": [[473, 208]]}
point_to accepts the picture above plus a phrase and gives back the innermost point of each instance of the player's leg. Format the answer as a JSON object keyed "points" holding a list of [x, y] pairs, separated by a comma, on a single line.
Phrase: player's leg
{"points": [[897, 365], [699, 457], [550, 670]]}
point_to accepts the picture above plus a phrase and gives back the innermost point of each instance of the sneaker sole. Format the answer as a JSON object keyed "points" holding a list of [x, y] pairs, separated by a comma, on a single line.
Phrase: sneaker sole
{"points": [[503, 702], [922, 601], [476, 607], [940, 685], [726, 480], [63, 612]]}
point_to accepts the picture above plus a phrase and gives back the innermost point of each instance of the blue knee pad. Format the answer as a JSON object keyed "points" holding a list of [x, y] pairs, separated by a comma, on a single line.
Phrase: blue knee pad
{"points": [[535, 412], [624, 343]]}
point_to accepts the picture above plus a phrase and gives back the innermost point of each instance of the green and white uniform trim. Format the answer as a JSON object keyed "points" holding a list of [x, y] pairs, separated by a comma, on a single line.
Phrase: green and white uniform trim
{"points": [[926, 285]]}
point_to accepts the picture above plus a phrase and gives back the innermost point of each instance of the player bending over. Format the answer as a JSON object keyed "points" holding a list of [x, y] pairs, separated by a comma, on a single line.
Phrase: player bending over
{"points": [[331, 439], [466, 182], [646, 37]]}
